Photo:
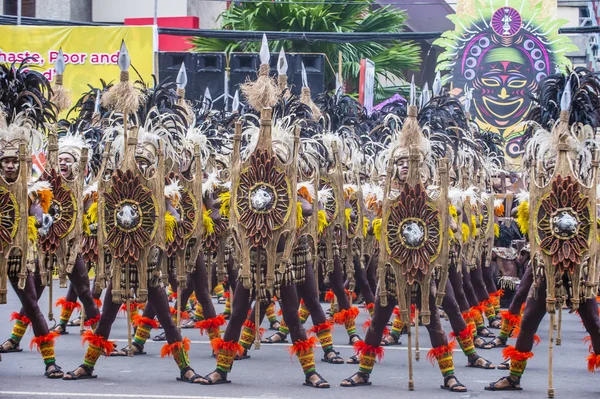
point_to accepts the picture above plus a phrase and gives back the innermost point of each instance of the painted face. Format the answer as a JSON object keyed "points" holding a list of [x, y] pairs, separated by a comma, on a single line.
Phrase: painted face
{"points": [[10, 168], [402, 165], [65, 163], [186, 161], [144, 166]]}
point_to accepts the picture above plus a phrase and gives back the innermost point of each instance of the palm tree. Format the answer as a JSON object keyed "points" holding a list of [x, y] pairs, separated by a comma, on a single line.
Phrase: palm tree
{"points": [[391, 57]]}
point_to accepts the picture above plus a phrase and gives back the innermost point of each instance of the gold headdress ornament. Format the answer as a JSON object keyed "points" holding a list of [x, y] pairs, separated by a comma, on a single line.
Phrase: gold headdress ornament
{"points": [[61, 97], [263, 92]]}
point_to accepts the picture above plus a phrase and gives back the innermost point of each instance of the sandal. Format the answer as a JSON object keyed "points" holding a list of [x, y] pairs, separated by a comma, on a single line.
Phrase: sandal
{"points": [[319, 384], [486, 366], [191, 323], [271, 340], [485, 345], [245, 355], [353, 360], [160, 337], [492, 344], [61, 329], [55, 373], [453, 388], [352, 337], [512, 385], [485, 333], [192, 380], [275, 326], [223, 379], [505, 365], [14, 346], [353, 383], [74, 323], [138, 350], [384, 342], [88, 374], [336, 359], [495, 323]]}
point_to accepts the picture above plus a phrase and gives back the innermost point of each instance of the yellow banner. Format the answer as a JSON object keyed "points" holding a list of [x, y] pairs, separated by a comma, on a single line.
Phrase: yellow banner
{"points": [[91, 52]]}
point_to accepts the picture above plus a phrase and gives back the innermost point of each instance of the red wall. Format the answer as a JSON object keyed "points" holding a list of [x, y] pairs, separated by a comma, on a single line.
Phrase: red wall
{"points": [[170, 42]]}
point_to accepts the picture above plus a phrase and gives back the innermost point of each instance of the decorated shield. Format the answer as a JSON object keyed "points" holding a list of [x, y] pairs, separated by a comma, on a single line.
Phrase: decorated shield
{"points": [[63, 211], [130, 216], [264, 198], [9, 218], [414, 227]]}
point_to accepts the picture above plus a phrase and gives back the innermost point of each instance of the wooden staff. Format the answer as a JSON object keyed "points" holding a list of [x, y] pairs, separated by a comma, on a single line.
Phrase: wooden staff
{"points": [[417, 351], [550, 354], [49, 270], [559, 329], [128, 305], [257, 301], [411, 383], [178, 306], [82, 320]]}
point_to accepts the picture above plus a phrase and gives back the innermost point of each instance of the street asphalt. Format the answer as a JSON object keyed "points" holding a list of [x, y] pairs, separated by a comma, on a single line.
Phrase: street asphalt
{"points": [[270, 372]]}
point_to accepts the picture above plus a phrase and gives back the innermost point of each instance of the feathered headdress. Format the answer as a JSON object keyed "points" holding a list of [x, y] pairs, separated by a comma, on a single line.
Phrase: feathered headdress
{"points": [[72, 144]]}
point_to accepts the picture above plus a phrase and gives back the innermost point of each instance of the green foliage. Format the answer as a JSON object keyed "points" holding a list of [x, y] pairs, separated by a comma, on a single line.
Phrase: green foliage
{"points": [[391, 57]]}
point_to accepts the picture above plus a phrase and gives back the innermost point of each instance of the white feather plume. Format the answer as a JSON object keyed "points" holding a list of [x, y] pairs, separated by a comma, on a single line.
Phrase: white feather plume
{"points": [[173, 190], [38, 186]]}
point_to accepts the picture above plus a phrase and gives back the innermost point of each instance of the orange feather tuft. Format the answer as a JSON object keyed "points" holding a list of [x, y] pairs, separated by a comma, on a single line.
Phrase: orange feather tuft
{"points": [[98, 341], [369, 306], [588, 340], [329, 296], [230, 346], [16, 316], [139, 320], [516, 331], [168, 349], [321, 327], [593, 362], [345, 315], [62, 302], [92, 321], [210, 324], [514, 319], [511, 353], [303, 346], [469, 314], [360, 347], [536, 340], [464, 334], [366, 325], [441, 350], [45, 197], [98, 303], [42, 339]]}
